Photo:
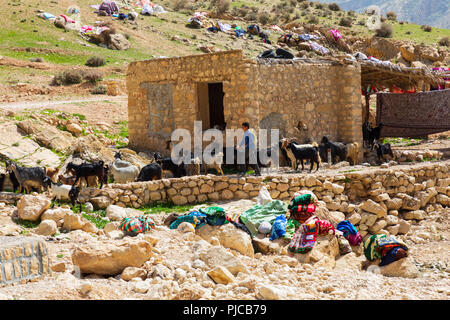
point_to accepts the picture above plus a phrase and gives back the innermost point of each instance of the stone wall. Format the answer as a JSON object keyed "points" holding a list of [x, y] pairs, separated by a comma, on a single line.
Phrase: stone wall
{"points": [[304, 100], [22, 259], [373, 199]]}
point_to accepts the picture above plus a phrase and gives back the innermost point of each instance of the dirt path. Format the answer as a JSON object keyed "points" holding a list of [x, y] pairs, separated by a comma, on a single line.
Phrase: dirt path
{"points": [[20, 106]]}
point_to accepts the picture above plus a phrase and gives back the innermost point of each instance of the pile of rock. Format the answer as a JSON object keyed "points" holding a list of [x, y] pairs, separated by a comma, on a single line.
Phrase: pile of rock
{"points": [[417, 155]]}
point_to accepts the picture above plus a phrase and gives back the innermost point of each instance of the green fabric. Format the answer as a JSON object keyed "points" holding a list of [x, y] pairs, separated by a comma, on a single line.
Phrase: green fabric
{"points": [[258, 214], [215, 216], [292, 225], [370, 246]]}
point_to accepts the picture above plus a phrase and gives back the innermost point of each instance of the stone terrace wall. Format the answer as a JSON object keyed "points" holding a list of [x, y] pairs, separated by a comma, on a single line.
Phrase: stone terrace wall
{"points": [[22, 259], [374, 199]]}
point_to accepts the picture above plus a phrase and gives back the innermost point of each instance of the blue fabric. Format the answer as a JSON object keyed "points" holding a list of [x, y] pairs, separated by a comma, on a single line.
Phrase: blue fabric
{"points": [[196, 218], [279, 227], [390, 256], [346, 227], [239, 32]]}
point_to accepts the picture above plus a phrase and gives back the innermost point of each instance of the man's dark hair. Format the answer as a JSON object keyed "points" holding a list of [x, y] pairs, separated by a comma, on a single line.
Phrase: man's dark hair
{"points": [[246, 124]]}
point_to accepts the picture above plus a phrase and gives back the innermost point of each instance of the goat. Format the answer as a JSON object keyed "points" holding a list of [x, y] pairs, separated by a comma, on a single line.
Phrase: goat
{"points": [[152, 171], [123, 171], [352, 152], [302, 152], [28, 177], [51, 172], [12, 177], [370, 135], [289, 156], [383, 150], [177, 170], [216, 163], [63, 192], [85, 170], [338, 149], [193, 168]]}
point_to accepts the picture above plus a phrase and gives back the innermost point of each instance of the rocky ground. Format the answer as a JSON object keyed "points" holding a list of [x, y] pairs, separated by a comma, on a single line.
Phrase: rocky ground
{"points": [[180, 263]]}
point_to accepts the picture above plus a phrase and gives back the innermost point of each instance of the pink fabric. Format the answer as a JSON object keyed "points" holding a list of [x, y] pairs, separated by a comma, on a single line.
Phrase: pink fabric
{"points": [[67, 19], [354, 239], [336, 34]]}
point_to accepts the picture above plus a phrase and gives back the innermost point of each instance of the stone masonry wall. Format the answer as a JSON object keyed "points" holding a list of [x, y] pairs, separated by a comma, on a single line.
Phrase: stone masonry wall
{"points": [[22, 259], [375, 200]]}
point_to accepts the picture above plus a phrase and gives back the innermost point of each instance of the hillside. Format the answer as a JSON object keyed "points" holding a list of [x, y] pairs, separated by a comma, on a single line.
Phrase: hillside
{"points": [[435, 13]]}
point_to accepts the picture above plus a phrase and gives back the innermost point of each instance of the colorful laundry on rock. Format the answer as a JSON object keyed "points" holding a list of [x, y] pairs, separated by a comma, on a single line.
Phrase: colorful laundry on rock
{"points": [[379, 245], [215, 216], [137, 224], [302, 206], [350, 232], [306, 236], [278, 227], [336, 34], [291, 227], [257, 214], [196, 218]]}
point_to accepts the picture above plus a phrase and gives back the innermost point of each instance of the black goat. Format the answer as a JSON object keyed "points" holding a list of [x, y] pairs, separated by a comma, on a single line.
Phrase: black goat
{"points": [[302, 152], [371, 135], [383, 150], [73, 195], [338, 149], [14, 181], [28, 178], [167, 164], [152, 171], [86, 170]]}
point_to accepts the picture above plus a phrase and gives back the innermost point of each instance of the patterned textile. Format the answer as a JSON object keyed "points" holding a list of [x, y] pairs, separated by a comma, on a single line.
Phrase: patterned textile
{"points": [[137, 224], [291, 227], [196, 218], [393, 255], [301, 206], [413, 114], [350, 232], [378, 246], [304, 239]]}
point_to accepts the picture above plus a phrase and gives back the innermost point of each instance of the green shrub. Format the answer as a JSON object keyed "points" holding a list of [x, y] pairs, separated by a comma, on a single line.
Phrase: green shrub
{"points": [[427, 28], [334, 7], [385, 31], [67, 77], [101, 89], [445, 42], [95, 62], [391, 15], [346, 22], [264, 17]]}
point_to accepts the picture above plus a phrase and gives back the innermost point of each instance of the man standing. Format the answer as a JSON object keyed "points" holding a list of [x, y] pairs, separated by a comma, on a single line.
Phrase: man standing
{"points": [[249, 143]]}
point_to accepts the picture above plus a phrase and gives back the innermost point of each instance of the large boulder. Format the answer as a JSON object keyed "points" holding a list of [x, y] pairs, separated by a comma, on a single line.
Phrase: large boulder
{"points": [[403, 268], [373, 207], [47, 228], [111, 257], [382, 48], [118, 42], [56, 214], [115, 213], [31, 207], [230, 237], [408, 53], [73, 221], [219, 256], [323, 254]]}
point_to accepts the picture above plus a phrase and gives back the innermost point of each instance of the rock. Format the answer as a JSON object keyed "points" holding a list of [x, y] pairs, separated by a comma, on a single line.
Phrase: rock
{"points": [[391, 220], [112, 226], [348, 262], [269, 292], [132, 272], [89, 207], [418, 64], [221, 275], [368, 219], [73, 221], [55, 214], [111, 257], [393, 230], [335, 217], [179, 200], [381, 48], [409, 203], [58, 267], [199, 264], [403, 226], [407, 52], [338, 189], [31, 207], [47, 228], [186, 227], [100, 202], [74, 128], [291, 262], [85, 288], [159, 270], [377, 226], [141, 287], [373, 207], [115, 213], [403, 268], [323, 254], [218, 256], [90, 227], [230, 237], [355, 218], [417, 215], [118, 42]]}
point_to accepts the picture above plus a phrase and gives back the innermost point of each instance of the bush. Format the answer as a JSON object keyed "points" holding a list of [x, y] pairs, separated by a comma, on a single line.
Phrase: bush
{"points": [[426, 28], [445, 42], [93, 76], [391, 15], [101, 89], [334, 7], [351, 13], [178, 5], [243, 11], [361, 22], [319, 5], [252, 16], [385, 30], [264, 17], [304, 5], [223, 6], [313, 19], [67, 77], [95, 62], [346, 22]]}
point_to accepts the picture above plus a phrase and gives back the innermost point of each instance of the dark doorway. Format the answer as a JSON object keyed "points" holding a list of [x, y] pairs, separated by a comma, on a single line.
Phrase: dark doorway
{"points": [[215, 96]]}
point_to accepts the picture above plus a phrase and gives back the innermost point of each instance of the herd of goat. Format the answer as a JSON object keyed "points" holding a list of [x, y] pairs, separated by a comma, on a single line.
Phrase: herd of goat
{"points": [[38, 178]]}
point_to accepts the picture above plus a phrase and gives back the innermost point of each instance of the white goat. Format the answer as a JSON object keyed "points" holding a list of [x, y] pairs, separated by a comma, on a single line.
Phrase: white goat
{"points": [[123, 171], [216, 163], [60, 191]]}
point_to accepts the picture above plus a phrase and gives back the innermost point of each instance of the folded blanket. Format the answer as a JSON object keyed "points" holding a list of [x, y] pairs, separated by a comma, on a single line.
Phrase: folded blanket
{"points": [[257, 214], [137, 224]]}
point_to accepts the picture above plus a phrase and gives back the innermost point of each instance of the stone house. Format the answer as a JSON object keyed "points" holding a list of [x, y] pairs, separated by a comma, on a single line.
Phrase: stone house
{"points": [[305, 99]]}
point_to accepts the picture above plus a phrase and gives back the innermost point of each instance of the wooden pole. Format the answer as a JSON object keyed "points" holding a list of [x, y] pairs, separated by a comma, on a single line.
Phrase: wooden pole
{"points": [[367, 96]]}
